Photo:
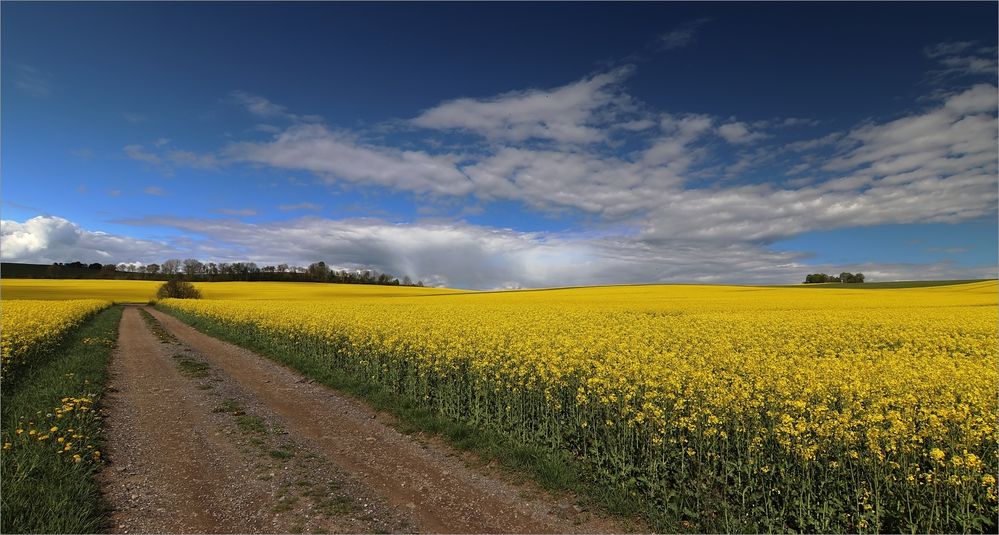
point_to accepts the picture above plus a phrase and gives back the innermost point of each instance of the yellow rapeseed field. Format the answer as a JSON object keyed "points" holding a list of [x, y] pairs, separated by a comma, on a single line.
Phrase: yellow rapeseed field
{"points": [[34, 327], [723, 408], [136, 291]]}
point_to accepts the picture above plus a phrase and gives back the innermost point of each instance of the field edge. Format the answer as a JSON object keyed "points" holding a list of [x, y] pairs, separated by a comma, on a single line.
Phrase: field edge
{"points": [[45, 491]]}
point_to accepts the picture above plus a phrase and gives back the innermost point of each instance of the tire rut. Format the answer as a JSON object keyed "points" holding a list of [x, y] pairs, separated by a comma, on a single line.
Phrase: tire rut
{"points": [[430, 481]]}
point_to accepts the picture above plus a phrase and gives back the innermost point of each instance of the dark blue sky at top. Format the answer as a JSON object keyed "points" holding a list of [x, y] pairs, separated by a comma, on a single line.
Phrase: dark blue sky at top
{"points": [[117, 74]]}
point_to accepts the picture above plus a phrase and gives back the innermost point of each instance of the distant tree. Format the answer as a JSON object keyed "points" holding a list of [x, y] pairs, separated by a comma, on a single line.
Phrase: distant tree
{"points": [[282, 268], [170, 267], [76, 265], [318, 271], [843, 277], [193, 267], [108, 270], [406, 281], [95, 266], [177, 289], [152, 269]]}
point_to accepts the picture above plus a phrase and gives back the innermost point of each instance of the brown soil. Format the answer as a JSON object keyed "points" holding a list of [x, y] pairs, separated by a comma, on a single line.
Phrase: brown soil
{"points": [[255, 464]]}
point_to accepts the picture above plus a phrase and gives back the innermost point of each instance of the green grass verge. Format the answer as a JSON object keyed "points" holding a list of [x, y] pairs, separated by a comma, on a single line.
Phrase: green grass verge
{"points": [[555, 471], [45, 488]]}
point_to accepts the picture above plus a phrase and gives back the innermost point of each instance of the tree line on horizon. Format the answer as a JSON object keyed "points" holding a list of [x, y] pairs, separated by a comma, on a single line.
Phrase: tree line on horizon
{"points": [[195, 270], [843, 277]]}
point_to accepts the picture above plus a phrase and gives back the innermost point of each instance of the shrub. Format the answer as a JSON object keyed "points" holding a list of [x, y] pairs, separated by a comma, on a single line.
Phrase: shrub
{"points": [[178, 289]]}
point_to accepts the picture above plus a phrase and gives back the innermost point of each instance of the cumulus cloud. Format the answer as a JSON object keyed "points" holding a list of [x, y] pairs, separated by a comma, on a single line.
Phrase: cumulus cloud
{"points": [[47, 239], [567, 114]]}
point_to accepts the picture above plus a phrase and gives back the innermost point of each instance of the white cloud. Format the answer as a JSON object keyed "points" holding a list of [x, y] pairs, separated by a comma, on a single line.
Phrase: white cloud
{"points": [[334, 156], [936, 165], [738, 133], [47, 239], [453, 254], [668, 206], [567, 114], [154, 190]]}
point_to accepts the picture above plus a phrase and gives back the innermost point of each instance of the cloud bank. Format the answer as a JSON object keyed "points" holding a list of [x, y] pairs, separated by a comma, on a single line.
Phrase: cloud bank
{"points": [[665, 196]]}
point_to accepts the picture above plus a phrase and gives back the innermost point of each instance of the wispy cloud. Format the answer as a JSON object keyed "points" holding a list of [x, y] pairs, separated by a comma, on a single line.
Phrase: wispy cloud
{"points": [[568, 114], [83, 153], [682, 35], [166, 160], [139, 153], [134, 117], [265, 109], [155, 191], [300, 206], [242, 212], [32, 81], [958, 59]]}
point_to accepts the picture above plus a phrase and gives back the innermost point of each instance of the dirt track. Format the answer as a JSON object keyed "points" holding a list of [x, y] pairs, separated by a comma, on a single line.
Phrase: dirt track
{"points": [[205, 436]]}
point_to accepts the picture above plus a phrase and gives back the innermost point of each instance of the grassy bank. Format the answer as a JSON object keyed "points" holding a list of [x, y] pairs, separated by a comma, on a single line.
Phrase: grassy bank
{"points": [[555, 471], [51, 435]]}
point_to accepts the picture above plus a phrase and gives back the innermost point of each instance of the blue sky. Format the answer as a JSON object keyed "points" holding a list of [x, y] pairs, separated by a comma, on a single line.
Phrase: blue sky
{"points": [[503, 145]]}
